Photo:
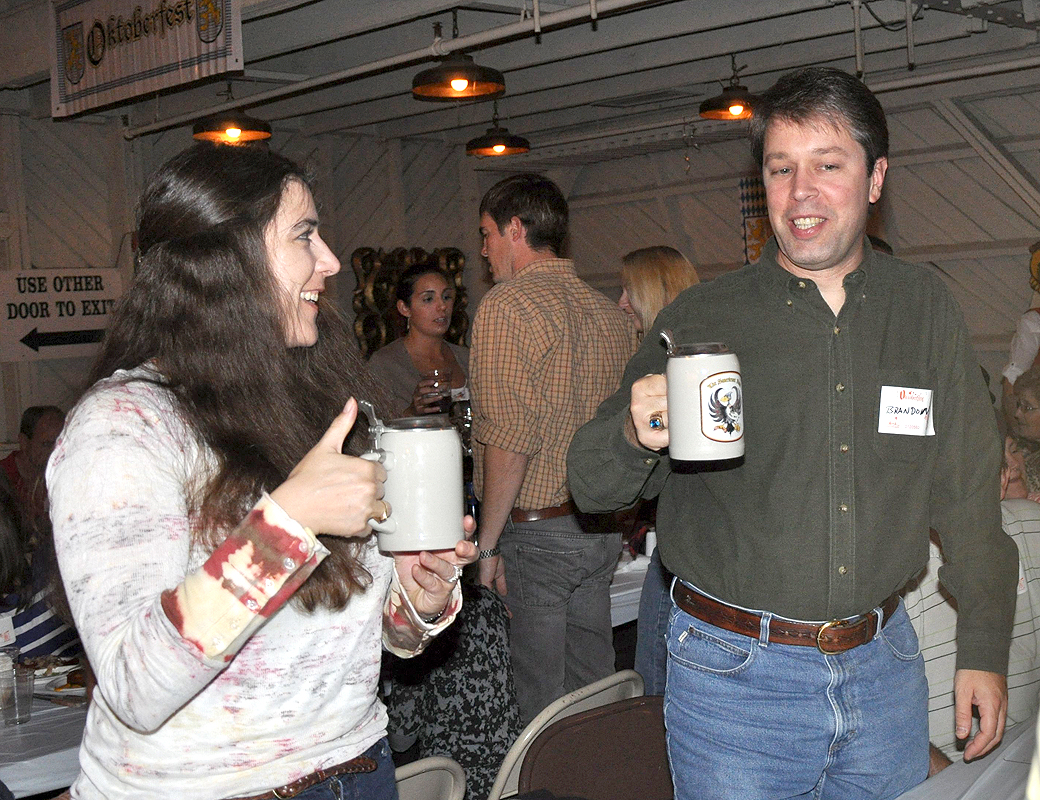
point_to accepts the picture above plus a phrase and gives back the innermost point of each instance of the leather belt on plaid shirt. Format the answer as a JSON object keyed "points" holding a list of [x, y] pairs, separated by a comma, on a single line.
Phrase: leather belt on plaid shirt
{"points": [[829, 638]]}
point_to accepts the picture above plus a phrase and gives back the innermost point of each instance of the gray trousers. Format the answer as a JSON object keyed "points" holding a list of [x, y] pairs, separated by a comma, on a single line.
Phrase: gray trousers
{"points": [[558, 593]]}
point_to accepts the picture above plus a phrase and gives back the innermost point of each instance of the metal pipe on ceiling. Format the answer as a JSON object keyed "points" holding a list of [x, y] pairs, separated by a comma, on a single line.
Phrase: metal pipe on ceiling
{"points": [[440, 47]]}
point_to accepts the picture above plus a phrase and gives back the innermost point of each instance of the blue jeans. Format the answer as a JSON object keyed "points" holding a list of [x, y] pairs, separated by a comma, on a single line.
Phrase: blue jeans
{"points": [[752, 720], [655, 611], [378, 785], [558, 593]]}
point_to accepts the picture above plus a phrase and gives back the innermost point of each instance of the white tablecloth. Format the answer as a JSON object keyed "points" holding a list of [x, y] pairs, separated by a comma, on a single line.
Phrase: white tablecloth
{"points": [[1000, 775], [42, 754], [626, 587]]}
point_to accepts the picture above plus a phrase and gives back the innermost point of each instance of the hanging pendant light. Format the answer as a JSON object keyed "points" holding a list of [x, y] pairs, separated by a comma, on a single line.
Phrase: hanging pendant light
{"points": [[456, 77], [235, 127], [735, 102], [497, 141]]}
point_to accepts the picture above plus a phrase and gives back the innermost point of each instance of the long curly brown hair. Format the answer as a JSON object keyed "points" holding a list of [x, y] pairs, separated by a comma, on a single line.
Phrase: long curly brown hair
{"points": [[205, 309]]}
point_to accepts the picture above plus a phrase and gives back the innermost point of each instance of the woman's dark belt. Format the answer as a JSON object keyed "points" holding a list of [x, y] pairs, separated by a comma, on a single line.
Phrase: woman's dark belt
{"points": [[352, 767], [830, 638]]}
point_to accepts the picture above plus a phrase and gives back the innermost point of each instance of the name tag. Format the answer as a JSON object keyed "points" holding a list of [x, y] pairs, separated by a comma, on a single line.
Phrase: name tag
{"points": [[906, 411]]}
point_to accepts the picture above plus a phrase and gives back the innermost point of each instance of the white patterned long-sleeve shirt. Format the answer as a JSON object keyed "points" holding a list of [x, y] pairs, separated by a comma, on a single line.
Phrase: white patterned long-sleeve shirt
{"points": [[209, 684]]}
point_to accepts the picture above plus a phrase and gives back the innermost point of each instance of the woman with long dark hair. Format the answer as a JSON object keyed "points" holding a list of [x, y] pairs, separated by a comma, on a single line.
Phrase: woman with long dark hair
{"points": [[212, 535]]}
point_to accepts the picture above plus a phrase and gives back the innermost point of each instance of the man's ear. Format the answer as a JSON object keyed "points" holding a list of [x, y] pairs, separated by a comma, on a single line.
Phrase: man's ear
{"points": [[516, 229]]}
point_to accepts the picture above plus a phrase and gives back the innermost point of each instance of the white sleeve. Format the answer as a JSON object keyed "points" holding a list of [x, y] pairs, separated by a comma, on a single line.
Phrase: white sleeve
{"points": [[1024, 345]]}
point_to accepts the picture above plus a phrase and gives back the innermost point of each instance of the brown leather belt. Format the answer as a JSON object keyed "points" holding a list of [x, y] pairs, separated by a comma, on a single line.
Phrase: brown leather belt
{"points": [[533, 515], [829, 638], [352, 767]]}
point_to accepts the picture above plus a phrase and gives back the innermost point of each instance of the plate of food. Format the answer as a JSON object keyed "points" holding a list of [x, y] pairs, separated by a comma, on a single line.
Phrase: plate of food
{"points": [[71, 684], [51, 666]]}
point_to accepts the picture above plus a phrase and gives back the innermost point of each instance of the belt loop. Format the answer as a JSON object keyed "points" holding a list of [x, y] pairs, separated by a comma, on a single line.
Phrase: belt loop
{"points": [[880, 614], [763, 628], [339, 789]]}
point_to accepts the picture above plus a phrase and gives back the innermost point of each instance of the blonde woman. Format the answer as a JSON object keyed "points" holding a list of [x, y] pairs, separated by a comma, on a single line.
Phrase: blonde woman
{"points": [[651, 278]]}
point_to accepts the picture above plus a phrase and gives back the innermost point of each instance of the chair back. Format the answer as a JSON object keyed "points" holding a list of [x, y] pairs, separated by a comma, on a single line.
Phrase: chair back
{"points": [[619, 686], [433, 778], [614, 752]]}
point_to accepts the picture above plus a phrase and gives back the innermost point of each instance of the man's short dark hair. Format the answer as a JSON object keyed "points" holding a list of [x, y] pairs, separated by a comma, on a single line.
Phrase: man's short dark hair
{"points": [[537, 202], [31, 418], [814, 92]]}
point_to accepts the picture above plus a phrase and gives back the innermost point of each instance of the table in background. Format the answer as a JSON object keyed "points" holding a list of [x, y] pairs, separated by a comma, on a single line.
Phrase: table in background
{"points": [[42, 754], [626, 587]]}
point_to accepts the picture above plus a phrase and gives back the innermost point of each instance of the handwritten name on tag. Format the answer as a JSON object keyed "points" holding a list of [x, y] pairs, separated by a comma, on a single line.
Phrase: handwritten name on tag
{"points": [[906, 411]]}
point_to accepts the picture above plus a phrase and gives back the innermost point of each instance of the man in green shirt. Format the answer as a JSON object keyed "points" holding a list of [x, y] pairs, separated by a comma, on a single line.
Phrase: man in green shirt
{"points": [[793, 670]]}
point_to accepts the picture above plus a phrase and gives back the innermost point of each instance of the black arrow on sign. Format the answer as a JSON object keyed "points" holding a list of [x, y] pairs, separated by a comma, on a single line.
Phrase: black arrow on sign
{"points": [[36, 340]]}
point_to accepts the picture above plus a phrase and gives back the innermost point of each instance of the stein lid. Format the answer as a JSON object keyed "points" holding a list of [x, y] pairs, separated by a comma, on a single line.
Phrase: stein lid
{"points": [[698, 349], [424, 422]]}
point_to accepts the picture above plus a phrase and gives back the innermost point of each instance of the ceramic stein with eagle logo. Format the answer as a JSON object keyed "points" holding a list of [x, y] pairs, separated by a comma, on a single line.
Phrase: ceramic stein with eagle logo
{"points": [[705, 402]]}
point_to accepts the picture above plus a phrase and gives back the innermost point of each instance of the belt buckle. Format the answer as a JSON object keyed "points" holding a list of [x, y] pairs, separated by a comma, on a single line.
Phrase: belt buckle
{"points": [[834, 623]]}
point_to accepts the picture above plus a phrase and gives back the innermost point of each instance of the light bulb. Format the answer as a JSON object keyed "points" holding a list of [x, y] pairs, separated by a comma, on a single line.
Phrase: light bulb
{"points": [[736, 109], [499, 148], [233, 133], [459, 84]]}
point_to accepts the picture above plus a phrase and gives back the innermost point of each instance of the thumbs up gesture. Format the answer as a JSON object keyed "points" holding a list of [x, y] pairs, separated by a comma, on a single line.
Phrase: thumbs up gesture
{"points": [[333, 493]]}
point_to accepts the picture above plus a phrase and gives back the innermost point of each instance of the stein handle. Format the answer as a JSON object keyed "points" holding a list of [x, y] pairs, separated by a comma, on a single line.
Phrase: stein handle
{"points": [[389, 525]]}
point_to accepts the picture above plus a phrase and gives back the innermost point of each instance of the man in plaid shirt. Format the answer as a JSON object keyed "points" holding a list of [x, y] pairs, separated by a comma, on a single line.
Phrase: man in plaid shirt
{"points": [[546, 350]]}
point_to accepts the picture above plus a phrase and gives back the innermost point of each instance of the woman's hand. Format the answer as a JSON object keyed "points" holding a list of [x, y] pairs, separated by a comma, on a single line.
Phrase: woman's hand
{"points": [[333, 493], [429, 577], [426, 399]]}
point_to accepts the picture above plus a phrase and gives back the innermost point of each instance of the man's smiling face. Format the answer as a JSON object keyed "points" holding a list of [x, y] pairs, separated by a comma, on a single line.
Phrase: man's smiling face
{"points": [[818, 191]]}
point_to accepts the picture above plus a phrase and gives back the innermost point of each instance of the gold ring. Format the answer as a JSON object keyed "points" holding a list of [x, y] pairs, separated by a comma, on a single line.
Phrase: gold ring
{"points": [[386, 512]]}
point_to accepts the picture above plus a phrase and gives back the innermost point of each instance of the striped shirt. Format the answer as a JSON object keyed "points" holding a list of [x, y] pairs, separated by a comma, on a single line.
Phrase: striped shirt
{"points": [[546, 350], [38, 631], [934, 617]]}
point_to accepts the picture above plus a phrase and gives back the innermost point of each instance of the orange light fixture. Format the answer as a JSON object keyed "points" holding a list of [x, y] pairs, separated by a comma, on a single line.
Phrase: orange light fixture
{"points": [[735, 102], [232, 128], [457, 77]]}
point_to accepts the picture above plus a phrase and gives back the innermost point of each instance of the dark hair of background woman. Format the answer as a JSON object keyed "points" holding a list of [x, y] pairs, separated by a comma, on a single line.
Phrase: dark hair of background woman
{"points": [[406, 282], [206, 310]]}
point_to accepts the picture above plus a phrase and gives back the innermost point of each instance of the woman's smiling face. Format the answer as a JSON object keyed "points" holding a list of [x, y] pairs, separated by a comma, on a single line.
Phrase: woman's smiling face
{"points": [[300, 261]]}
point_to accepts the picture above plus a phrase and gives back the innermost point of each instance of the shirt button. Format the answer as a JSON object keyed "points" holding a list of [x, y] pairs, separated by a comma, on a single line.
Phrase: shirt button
{"points": [[837, 330], [844, 448], [790, 302], [303, 547], [842, 570], [843, 508], [648, 461], [289, 563], [840, 387], [252, 605], [801, 284]]}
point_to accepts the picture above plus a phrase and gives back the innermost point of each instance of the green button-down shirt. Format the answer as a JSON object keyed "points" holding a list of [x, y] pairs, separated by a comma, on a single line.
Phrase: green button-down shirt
{"points": [[825, 517]]}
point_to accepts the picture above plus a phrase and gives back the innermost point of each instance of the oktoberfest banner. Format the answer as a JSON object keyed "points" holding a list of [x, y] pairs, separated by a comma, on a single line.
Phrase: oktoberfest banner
{"points": [[104, 51]]}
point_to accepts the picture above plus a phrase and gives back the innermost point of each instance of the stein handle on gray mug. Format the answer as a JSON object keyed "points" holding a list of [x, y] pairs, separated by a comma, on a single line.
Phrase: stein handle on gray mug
{"points": [[389, 525]]}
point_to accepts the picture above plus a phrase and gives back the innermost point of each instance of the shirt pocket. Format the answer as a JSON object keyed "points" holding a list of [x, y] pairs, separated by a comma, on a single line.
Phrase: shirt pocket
{"points": [[900, 447]]}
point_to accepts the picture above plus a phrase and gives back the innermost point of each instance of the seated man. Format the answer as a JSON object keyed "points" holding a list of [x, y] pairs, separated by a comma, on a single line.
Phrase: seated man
{"points": [[934, 616]]}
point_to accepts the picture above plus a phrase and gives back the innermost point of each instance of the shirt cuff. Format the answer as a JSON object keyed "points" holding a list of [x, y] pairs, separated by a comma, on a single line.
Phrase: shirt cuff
{"points": [[252, 574], [404, 632]]}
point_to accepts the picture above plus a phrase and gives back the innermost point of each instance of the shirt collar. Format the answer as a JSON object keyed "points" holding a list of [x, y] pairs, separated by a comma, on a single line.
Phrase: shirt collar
{"points": [[546, 265], [784, 281]]}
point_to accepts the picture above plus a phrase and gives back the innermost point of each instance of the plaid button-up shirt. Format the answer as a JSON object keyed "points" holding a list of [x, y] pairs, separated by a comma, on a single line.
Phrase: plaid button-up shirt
{"points": [[546, 350]]}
